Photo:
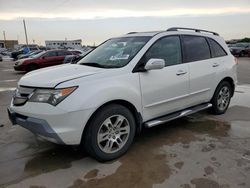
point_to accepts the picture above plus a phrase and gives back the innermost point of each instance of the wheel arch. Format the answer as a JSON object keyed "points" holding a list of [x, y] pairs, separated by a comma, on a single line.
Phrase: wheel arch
{"points": [[31, 64], [230, 81], [137, 115]]}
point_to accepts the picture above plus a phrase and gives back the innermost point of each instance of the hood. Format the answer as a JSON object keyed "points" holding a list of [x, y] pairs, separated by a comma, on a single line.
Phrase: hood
{"points": [[50, 77], [23, 59]]}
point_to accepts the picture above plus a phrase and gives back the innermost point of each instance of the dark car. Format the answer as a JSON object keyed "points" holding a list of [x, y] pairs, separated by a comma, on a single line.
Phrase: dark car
{"points": [[239, 49], [76, 57], [1, 58], [16, 53], [43, 59], [31, 53]]}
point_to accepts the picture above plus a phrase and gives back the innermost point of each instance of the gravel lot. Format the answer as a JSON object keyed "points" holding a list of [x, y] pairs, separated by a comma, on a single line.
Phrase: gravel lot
{"points": [[199, 151]]}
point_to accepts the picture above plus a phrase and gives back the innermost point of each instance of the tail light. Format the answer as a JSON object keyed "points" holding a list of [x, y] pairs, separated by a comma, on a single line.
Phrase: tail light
{"points": [[236, 61]]}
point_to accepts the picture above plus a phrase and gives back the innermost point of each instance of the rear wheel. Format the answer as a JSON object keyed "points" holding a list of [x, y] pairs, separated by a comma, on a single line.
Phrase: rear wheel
{"points": [[221, 98], [241, 54], [110, 133]]}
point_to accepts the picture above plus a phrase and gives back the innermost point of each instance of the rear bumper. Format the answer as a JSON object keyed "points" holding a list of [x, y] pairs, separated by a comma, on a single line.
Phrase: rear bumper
{"points": [[35, 125]]}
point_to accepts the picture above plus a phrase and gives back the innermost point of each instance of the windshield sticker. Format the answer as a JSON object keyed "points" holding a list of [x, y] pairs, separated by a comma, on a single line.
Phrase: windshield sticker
{"points": [[119, 57]]}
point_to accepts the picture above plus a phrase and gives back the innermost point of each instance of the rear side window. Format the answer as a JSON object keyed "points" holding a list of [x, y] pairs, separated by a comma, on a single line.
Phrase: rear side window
{"points": [[167, 48], [195, 48], [216, 49], [50, 54], [63, 53]]}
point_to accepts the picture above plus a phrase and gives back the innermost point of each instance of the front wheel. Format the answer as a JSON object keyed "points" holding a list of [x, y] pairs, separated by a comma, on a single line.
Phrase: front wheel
{"points": [[110, 133], [221, 98], [32, 67]]}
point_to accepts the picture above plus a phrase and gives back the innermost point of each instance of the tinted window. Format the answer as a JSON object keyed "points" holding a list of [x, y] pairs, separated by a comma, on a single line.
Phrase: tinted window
{"points": [[63, 53], [50, 54], [168, 48], [195, 48], [216, 49]]}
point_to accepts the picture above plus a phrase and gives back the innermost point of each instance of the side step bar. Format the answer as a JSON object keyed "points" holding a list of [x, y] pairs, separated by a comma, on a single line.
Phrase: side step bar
{"points": [[176, 115]]}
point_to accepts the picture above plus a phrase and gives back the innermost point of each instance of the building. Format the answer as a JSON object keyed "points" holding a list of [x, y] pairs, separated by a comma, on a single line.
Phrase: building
{"points": [[8, 43], [74, 44]]}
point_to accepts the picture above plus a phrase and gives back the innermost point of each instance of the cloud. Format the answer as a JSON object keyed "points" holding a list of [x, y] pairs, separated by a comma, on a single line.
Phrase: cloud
{"points": [[95, 9], [123, 13]]}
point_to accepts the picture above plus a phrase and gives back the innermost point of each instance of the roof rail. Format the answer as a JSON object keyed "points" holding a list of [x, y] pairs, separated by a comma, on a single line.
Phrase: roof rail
{"points": [[192, 29], [131, 33]]}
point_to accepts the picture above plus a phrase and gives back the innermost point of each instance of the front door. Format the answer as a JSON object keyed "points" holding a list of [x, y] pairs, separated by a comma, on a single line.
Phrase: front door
{"points": [[165, 90], [49, 59]]}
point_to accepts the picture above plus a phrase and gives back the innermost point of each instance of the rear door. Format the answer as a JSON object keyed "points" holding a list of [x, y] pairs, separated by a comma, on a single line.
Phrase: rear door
{"points": [[165, 90], [202, 67]]}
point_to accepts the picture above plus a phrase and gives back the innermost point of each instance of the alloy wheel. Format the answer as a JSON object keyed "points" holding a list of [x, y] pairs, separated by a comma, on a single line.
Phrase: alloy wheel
{"points": [[113, 134]]}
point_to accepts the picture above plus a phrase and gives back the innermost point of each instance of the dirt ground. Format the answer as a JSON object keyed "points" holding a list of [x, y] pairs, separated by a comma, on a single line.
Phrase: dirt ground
{"points": [[198, 151]]}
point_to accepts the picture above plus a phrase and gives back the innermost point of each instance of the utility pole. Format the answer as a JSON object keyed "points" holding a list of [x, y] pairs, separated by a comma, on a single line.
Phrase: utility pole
{"points": [[24, 25], [4, 37]]}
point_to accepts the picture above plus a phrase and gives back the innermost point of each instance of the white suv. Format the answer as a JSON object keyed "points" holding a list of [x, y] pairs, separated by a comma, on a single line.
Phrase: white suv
{"points": [[127, 83]]}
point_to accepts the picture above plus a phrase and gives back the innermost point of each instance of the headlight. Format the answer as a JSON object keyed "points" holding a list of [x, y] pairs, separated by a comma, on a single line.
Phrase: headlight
{"points": [[20, 62], [51, 96]]}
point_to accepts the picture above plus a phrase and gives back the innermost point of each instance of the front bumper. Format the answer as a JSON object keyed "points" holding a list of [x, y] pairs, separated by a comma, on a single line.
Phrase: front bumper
{"points": [[35, 125], [55, 124], [19, 67]]}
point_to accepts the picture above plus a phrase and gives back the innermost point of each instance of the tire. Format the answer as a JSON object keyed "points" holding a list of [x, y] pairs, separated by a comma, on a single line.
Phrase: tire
{"points": [[221, 98], [97, 130], [241, 54], [32, 67]]}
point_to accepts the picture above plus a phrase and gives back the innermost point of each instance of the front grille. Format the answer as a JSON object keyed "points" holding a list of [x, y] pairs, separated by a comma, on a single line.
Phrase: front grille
{"points": [[22, 95]]}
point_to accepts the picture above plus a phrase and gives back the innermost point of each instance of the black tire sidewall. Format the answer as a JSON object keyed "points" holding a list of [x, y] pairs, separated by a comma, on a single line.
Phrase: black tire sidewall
{"points": [[214, 101], [95, 124]]}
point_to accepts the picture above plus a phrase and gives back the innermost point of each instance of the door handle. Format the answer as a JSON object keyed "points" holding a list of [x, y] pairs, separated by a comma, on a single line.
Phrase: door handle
{"points": [[181, 72], [216, 65]]}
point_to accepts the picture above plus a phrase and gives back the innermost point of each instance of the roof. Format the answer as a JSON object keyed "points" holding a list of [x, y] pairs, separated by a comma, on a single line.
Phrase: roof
{"points": [[175, 30]]}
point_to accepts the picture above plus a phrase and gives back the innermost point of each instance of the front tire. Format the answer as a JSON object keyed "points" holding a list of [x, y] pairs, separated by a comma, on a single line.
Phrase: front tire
{"points": [[221, 98], [109, 133], [32, 67]]}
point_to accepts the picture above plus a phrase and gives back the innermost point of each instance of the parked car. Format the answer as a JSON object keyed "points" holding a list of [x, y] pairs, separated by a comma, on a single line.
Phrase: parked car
{"points": [[76, 52], [31, 53], [44, 59], [75, 58], [14, 54], [240, 49], [127, 83], [6, 52]]}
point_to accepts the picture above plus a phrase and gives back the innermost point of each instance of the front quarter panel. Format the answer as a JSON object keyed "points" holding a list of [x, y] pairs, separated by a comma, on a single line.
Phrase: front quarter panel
{"points": [[94, 91]]}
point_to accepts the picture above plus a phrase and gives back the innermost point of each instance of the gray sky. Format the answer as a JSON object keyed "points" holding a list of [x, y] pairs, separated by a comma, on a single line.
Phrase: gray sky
{"points": [[97, 20]]}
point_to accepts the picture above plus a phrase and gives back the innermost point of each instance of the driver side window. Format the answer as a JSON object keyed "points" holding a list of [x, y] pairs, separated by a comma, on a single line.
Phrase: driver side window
{"points": [[50, 54], [167, 48]]}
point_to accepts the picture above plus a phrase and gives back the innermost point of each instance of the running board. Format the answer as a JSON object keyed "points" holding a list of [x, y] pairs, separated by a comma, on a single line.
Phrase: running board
{"points": [[176, 115]]}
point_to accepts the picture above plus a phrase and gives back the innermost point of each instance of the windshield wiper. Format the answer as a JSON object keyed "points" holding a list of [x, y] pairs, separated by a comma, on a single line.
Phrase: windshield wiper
{"points": [[99, 65], [93, 65]]}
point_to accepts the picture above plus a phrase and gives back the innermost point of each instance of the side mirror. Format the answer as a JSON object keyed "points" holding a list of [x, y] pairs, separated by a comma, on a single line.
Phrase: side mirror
{"points": [[154, 64]]}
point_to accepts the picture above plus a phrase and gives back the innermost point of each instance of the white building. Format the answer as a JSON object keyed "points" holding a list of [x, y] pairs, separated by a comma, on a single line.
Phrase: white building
{"points": [[53, 44]]}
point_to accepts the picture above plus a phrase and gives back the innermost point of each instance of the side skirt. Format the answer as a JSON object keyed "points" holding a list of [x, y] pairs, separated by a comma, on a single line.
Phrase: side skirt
{"points": [[175, 115]]}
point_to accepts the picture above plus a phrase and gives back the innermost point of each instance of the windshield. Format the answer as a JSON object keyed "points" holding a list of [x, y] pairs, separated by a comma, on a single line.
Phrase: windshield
{"points": [[37, 55], [114, 53]]}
